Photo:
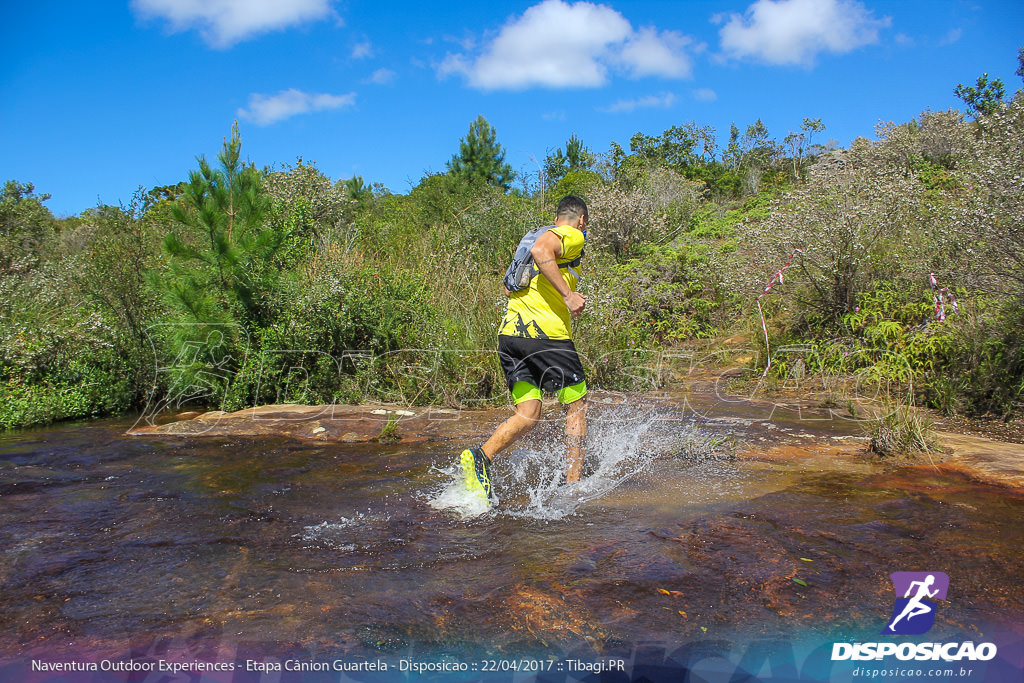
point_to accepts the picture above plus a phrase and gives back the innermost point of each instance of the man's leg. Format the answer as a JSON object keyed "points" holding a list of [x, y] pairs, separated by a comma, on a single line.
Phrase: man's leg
{"points": [[476, 461], [526, 417], [575, 435]]}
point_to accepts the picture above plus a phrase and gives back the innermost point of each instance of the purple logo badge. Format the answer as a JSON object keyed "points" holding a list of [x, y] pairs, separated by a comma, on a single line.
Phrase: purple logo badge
{"points": [[916, 592]]}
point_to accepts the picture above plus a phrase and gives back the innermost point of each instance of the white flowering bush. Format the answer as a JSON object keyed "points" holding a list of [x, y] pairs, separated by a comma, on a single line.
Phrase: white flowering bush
{"points": [[864, 216], [992, 210], [653, 210], [935, 197], [319, 213]]}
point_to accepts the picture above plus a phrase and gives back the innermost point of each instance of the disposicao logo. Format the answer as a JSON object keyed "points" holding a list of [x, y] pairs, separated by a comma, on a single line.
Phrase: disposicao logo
{"points": [[914, 612]]}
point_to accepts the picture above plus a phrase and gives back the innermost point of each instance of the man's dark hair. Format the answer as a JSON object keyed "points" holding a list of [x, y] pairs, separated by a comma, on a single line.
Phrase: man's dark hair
{"points": [[571, 207]]}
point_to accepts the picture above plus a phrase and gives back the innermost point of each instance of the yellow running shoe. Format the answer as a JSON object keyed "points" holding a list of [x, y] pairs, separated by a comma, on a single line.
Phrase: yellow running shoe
{"points": [[474, 469]]}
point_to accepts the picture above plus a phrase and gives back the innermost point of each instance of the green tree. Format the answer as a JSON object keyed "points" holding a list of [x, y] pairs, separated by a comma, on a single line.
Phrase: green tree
{"points": [[985, 98], [221, 251], [799, 144], [732, 156], [24, 224], [112, 274], [646, 146], [613, 160], [481, 159], [795, 143], [758, 146], [163, 193], [677, 146], [359, 193], [994, 209], [810, 127], [577, 157]]}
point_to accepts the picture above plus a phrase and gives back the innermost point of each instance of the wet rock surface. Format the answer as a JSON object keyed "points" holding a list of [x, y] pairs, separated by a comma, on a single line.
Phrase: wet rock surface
{"points": [[985, 459], [328, 423], [767, 430], [717, 520]]}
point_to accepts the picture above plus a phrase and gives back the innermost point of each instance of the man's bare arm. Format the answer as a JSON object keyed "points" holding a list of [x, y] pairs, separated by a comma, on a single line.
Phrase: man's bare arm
{"points": [[545, 252]]}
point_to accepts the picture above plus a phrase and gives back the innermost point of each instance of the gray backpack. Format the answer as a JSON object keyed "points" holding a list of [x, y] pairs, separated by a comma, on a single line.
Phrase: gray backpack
{"points": [[523, 269]]}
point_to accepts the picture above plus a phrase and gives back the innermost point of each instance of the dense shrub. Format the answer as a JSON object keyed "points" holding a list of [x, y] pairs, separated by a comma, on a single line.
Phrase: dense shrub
{"points": [[243, 286], [59, 359]]}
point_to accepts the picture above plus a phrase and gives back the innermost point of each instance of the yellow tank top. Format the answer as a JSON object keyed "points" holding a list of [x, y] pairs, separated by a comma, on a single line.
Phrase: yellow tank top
{"points": [[539, 312]]}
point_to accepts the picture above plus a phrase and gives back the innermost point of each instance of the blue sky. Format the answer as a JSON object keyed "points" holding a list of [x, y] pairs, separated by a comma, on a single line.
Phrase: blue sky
{"points": [[100, 98]]}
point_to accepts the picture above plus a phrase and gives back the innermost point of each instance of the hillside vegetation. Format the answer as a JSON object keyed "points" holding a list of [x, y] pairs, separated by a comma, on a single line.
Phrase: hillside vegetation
{"points": [[898, 262]]}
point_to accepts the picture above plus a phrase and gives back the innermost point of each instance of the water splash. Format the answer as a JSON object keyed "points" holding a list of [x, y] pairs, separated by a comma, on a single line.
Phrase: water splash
{"points": [[454, 497], [624, 444]]}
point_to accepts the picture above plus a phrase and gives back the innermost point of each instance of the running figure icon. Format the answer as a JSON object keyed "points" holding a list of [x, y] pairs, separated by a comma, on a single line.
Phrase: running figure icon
{"points": [[915, 607]]}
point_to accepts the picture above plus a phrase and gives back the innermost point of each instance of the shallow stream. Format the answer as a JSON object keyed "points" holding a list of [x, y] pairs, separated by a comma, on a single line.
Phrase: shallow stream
{"points": [[309, 549]]}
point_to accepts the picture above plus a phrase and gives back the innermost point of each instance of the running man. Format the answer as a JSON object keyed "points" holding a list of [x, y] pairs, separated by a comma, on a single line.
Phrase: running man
{"points": [[536, 350], [915, 607]]}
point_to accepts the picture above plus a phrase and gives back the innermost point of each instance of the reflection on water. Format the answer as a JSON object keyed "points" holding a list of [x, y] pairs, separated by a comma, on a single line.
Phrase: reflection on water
{"points": [[363, 549]]}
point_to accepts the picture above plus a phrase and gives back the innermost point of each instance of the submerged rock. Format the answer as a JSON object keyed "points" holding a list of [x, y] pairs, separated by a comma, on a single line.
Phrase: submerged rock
{"points": [[982, 459], [339, 423]]}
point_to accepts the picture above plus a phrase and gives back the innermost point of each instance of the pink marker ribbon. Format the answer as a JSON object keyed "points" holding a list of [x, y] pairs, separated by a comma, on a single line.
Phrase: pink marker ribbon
{"points": [[778, 277], [939, 297]]}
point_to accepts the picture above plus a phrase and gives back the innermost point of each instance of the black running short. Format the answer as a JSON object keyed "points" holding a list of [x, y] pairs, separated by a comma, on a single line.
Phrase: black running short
{"points": [[551, 364]]}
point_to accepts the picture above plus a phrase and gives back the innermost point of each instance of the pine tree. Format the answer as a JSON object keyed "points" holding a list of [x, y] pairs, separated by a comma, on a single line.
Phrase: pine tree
{"points": [[577, 157], [985, 98], [481, 159], [222, 250]]}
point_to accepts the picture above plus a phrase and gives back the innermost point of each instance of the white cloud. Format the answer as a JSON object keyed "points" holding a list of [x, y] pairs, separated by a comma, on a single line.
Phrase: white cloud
{"points": [[647, 53], [903, 40], [796, 31], [223, 23], [382, 77], [559, 45], [362, 50], [466, 42], [953, 36], [705, 95], [663, 101], [266, 109]]}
